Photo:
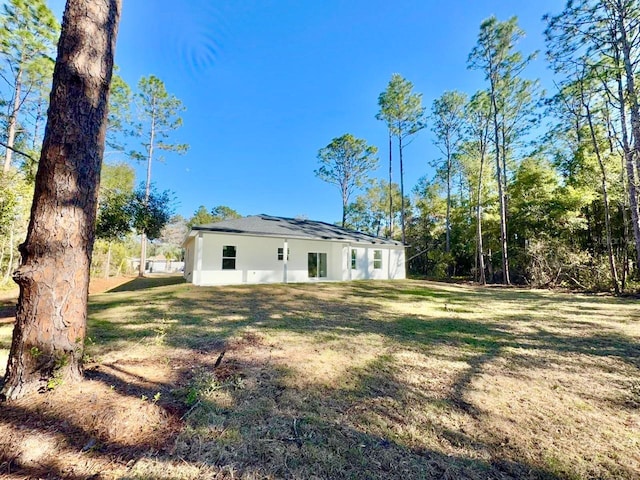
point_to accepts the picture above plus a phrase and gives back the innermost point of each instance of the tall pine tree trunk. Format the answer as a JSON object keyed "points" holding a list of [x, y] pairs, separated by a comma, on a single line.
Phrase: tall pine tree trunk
{"points": [[480, 258], [605, 199], [147, 192], [345, 203], [390, 188], [48, 338], [501, 194], [447, 244], [402, 218], [13, 121]]}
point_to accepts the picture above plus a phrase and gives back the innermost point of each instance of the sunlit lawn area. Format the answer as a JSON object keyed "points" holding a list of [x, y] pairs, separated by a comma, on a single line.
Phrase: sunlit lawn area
{"points": [[362, 380]]}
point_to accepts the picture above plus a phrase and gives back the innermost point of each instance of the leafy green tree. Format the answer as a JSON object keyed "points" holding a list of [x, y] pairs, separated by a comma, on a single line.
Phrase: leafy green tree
{"points": [[200, 217], [447, 116], [151, 211], [402, 111], [116, 178], [122, 212], [159, 114], [534, 205], [15, 199], [115, 216], [544, 212], [345, 163], [367, 213], [28, 30], [425, 254], [116, 189], [222, 212]]}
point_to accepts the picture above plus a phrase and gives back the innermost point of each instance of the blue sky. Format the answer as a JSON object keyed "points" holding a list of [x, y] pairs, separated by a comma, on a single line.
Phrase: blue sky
{"points": [[267, 83]]}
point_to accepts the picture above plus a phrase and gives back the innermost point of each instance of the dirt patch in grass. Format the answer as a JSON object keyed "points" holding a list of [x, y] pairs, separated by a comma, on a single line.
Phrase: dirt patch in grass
{"points": [[358, 380], [101, 285]]}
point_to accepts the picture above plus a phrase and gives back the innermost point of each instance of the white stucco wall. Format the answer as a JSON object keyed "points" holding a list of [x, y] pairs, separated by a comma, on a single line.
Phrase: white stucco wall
{"points": [[392, 267], [189, 255], [257, 260]]}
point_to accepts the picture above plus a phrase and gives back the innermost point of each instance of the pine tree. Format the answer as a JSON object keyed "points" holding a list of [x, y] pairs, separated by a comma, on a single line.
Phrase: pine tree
{"points": [[48, 337]]}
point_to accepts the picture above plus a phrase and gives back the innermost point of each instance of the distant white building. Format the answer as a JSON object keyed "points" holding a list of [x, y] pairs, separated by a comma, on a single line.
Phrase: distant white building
{"points": [[252, 250]]}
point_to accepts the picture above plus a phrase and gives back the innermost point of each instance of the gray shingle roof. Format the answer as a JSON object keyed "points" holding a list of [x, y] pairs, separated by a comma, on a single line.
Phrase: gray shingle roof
{"points": [[267, 225]]}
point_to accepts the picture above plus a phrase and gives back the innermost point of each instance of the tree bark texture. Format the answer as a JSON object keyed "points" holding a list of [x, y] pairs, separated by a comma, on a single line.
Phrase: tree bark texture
{"points": [[48, 338]]}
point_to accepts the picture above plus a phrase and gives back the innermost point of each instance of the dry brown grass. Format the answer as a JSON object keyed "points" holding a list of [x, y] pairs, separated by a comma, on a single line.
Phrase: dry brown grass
{"points": [[360, 380]]}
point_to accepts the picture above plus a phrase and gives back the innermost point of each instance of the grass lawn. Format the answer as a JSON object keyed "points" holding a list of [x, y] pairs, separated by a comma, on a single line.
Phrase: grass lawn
{"points": [[361, 380]]}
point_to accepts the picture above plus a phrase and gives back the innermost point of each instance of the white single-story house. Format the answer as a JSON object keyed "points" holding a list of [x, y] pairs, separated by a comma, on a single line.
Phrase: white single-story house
{"points": [[252, 250]]}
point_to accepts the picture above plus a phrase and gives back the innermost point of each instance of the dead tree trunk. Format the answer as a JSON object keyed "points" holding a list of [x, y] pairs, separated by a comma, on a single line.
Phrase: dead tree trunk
{"points": [[48, 338]]}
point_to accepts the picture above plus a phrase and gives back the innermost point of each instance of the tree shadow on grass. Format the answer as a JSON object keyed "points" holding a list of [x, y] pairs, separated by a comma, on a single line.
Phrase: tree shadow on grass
{"points": [[272, 428], [203, 322], [152, 281], [337, 435], [185, 320], [66, 448]]}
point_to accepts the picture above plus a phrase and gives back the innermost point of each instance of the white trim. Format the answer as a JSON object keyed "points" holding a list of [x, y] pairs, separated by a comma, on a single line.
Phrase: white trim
{"points": [[197, 274], [285, 260]]}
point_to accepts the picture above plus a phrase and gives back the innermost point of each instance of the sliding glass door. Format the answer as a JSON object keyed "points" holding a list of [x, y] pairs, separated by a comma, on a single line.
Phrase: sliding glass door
{"points": [[317, 265]]}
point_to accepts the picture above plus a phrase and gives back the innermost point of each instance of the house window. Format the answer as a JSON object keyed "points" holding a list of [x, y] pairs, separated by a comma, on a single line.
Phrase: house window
{"points": [[353, 259], [229, 257], [281, 253], [377, 259], [317, 265]]}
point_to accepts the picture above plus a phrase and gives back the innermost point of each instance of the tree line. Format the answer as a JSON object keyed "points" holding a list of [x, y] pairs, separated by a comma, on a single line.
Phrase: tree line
{"points": [[529, 187]]}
